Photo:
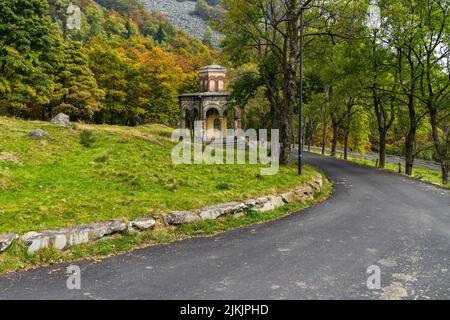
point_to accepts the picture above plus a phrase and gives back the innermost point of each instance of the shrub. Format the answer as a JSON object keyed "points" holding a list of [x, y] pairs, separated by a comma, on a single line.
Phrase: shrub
{"points": [[223, 186], [87, 138], [102, 159], [252, 213]]}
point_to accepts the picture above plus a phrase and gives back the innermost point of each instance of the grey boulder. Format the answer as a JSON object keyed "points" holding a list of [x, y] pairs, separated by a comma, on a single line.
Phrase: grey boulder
{"points": [[263, 204], [289, 197], [317, 182], [143, 223], [213, 212], [6, 240], [61, 119], [305, 192], [38, 134], [181, 217], [65, 238], [272, 203]]}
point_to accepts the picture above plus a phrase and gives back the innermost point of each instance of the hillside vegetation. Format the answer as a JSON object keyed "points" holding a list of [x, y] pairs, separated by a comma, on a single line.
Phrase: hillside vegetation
{"points": [[376, 76], [124, 65], [118, 172]]}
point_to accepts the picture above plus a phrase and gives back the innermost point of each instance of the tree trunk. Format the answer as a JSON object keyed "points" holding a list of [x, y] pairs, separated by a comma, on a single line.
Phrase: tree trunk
{"points": [[410, 142], [334, 140], [347, 128], [445, 174], [346, 144], [290, 79], [285, 135], [384, 123], [409, 154], [324, 135], [440, 149], [382, 132], [274, 107], [382, 149]]}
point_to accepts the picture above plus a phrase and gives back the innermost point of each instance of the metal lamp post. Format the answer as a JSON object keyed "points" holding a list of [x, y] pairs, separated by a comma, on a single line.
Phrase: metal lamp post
{"points": [[373, 23]]}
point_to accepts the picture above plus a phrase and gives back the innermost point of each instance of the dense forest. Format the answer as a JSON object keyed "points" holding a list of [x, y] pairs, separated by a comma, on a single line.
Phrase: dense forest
{"points": [[124, 65], [382, 87]]}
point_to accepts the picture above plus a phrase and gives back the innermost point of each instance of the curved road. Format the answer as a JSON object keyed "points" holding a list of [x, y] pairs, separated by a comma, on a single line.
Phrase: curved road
{"points": [[375, 218], [418, 163]]}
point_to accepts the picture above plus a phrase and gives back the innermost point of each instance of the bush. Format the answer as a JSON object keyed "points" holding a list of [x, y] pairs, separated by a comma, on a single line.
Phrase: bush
{"points": [[87, 138], [223, 186], [102, 159], [252, 213]]}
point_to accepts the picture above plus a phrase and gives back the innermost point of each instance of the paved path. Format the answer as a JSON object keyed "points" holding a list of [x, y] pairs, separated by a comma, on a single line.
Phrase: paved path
{"points": [[375, 218]]}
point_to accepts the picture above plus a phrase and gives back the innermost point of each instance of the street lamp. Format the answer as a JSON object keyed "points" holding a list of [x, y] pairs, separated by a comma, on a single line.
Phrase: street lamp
{"points": [[300, 97]]}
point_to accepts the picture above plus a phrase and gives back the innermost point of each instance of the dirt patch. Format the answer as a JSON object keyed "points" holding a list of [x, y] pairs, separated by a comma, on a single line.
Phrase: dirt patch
{"points": [[9, 157], [395, 291], [130, 133]]}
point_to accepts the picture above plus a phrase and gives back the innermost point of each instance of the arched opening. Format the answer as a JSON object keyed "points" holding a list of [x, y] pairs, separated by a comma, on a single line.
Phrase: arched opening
{"points": [[228, 118], [217, 124], [213, 123], [191, 117]]}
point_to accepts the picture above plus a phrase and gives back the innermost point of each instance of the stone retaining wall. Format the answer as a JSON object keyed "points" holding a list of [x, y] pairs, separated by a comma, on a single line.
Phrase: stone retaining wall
{"points": [[62, 239]]}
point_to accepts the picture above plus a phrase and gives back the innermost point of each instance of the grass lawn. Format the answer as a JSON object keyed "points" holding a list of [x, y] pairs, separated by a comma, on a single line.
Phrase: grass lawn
{"points": [[125, 173], [17, 257], [428, 175]]}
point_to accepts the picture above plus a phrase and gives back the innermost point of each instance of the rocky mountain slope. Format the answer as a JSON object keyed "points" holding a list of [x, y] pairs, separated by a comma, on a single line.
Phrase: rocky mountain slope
{"points": [[181, 15]]}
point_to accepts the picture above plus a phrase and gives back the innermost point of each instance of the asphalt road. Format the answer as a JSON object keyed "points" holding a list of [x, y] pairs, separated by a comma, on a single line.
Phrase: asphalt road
{"points": [[418, 163], [375, 218]]}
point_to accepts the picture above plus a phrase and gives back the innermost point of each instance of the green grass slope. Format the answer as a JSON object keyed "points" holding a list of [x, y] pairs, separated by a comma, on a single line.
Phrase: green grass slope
{"points": [[125, 173]]}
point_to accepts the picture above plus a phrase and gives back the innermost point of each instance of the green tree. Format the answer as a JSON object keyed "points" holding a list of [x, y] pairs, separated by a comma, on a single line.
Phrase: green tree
{"points": [[160, 35], [112, 71], [25, 35], [78, 94], [208, 37], [432, 34]]}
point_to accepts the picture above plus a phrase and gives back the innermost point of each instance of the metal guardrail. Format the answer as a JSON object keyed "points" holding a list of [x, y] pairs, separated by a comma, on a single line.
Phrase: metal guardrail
{"points": [[419, 163]]}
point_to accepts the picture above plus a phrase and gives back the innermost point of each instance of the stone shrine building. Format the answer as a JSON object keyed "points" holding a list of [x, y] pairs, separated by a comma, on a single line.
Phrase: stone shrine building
{"points": [[210, 105]]}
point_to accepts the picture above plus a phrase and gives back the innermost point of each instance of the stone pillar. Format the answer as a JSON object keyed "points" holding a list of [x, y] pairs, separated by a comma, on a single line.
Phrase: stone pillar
{"points": [[237, 123], [237, 119], [223, 127], [205, 136]]}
